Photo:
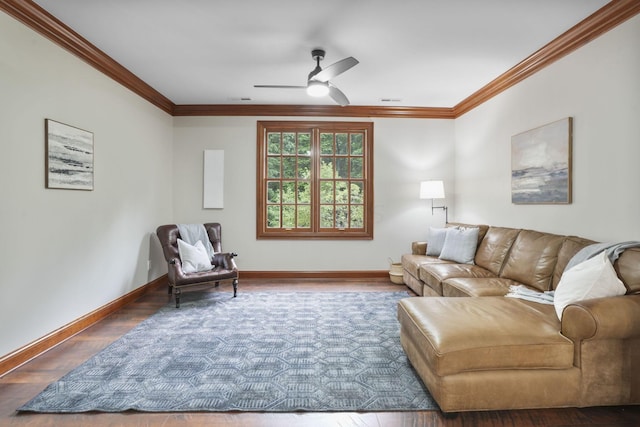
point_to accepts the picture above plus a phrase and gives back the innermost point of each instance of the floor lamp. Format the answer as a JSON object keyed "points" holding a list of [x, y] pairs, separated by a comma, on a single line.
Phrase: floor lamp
{"points": [[434, 190]]}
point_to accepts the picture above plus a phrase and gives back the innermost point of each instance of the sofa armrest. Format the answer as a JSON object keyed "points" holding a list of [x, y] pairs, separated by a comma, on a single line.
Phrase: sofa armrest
{"points": [[602, 318], [418, 248]]}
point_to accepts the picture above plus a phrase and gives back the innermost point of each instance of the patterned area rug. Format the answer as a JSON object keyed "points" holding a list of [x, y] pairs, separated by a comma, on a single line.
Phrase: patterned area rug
{"points": [[261, 351]]}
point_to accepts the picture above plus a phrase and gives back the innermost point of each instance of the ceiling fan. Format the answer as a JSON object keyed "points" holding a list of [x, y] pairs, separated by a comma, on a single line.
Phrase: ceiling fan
{"points": [[318, 83]]}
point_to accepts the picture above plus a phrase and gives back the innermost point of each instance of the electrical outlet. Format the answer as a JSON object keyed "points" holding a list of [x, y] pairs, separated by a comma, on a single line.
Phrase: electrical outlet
{"points": [[148, 264]]}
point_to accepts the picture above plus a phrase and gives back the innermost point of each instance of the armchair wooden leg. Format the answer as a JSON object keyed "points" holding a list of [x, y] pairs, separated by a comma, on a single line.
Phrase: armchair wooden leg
{"points": [[176, 293], [235, 287], [170, 289]]}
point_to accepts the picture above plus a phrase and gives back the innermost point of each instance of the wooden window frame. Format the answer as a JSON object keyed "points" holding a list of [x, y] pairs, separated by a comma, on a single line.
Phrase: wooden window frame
{"points": [[315, 231]]}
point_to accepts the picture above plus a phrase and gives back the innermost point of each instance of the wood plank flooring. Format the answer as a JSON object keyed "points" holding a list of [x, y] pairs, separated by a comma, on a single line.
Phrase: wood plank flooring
{"points": [[24, 383]]}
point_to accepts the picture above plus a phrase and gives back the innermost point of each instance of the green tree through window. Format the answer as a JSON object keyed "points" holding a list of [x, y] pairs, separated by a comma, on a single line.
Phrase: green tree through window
{"points": [[315, 180]]}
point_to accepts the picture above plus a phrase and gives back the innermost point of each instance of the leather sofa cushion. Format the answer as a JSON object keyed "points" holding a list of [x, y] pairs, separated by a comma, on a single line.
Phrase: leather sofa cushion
{"points": [[412, 263], [533, 258], [569, 248], [627, 269], [413, 283], [493, 249], [477, 287], [478, 334], [434, 274]]}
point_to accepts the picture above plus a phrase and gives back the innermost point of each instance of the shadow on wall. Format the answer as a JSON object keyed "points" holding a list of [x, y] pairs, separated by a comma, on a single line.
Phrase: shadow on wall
{"points": [[157, 265]]}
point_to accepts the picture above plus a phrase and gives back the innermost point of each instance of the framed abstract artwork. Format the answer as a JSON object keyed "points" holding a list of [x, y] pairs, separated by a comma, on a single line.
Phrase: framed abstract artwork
{"points": [[541, 164], [69, 157]]}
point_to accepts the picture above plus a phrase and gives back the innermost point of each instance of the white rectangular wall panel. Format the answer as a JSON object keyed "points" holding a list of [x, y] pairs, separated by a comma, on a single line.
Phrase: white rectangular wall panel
{"points": [[213, 185]]}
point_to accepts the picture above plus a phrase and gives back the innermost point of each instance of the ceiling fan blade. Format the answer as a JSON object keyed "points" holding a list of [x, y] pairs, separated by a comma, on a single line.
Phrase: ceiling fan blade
{"points": [[280, 87], [336, 69], [338, 96]]}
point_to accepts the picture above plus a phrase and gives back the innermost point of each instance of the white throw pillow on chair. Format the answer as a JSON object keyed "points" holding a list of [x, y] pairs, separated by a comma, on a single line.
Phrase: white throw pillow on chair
{"points": [[194, 258]]}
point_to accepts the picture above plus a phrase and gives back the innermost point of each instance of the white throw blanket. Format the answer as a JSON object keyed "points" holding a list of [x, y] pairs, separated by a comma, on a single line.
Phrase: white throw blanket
{"points": [[192, 233], [528, 294]]}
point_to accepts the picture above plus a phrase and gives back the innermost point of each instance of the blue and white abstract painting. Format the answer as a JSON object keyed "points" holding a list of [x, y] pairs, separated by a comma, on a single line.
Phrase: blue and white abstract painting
{"points": [[541, 164], [69, 157]]}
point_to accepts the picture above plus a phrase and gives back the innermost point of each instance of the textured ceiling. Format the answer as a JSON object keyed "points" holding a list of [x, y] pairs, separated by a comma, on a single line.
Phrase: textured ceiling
{"points": [[422, 53]]}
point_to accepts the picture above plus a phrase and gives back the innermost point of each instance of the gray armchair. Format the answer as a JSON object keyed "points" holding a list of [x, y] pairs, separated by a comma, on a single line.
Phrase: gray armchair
{"points": [[225, 267]]}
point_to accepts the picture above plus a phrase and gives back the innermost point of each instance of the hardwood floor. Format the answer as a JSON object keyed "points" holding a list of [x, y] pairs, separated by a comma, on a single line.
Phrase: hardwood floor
{"points": [[24, 383]]}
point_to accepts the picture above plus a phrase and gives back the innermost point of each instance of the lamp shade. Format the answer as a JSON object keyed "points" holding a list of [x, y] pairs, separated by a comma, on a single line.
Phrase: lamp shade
{"points": [[432, 190]]}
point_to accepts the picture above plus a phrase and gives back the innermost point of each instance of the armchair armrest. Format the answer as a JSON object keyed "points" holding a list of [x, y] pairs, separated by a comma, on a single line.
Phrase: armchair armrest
{"points": [[174, 270], [418, 248], [602, 318], [225, 260]]}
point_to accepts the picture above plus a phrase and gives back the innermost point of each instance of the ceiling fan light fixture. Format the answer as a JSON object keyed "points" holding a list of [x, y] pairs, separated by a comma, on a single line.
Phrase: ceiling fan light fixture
{"points": [[317, 89], [318, 84]]}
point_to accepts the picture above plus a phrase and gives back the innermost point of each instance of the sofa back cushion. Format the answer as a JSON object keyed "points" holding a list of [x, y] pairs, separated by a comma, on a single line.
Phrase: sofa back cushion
{"points": [[570, 247], [493, 249], [533, 258], [628, 269]]}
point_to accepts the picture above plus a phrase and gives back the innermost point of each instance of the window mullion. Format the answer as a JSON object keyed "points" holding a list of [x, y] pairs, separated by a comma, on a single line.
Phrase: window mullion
{"points": [[315, 179]]}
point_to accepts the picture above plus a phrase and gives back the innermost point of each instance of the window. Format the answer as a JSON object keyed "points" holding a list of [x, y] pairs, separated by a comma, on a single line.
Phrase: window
{"points": [[315, 180]]}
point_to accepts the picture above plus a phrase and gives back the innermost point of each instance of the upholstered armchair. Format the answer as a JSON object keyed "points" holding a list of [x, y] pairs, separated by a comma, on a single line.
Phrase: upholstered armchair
{"points": [[223, 266]]}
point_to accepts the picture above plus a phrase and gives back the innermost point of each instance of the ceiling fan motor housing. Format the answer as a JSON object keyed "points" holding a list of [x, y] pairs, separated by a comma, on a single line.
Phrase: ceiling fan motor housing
{"points": [[317, 55]]}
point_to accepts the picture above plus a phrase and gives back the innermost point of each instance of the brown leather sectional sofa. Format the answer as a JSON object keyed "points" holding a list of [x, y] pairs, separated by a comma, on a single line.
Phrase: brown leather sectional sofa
{"points": [[476, 349]]}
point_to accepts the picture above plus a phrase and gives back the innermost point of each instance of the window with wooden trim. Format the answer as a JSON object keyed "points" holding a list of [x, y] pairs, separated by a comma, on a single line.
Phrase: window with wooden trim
{"points": [[315, 180]]}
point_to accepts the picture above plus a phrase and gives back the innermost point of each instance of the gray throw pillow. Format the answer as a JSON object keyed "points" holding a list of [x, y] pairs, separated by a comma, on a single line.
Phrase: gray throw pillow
{"points": [[460, 245], [435, 242]]}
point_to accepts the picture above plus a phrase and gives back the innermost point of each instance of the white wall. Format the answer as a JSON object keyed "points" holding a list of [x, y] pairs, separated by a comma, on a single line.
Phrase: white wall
{"points": [[406, 152], [65, 253], [599, 86]]}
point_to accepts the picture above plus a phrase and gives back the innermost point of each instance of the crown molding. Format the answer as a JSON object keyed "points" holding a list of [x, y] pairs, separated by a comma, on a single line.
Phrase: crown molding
{"points": [[603, 20], [313, 111], [41, 21]]}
